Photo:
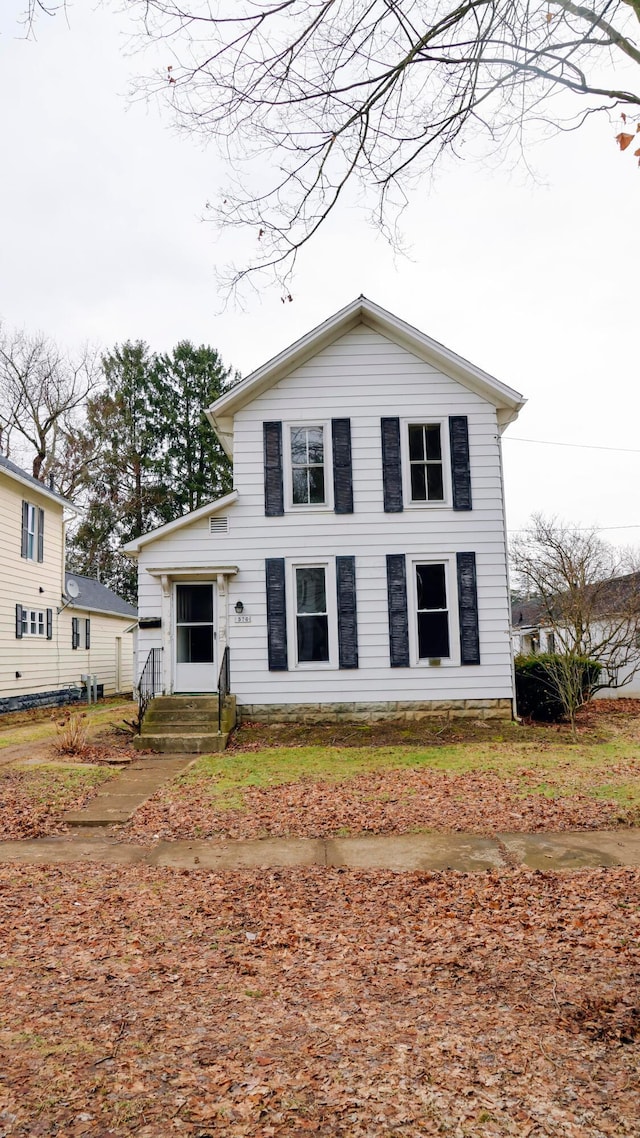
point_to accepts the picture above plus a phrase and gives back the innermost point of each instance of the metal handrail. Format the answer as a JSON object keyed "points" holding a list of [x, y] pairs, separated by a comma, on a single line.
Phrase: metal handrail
{"points": [[224, 681], [150, 682]]}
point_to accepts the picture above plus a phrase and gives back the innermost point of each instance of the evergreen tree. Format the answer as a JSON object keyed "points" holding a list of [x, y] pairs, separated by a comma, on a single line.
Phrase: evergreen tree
{"points": [[192, 466]]}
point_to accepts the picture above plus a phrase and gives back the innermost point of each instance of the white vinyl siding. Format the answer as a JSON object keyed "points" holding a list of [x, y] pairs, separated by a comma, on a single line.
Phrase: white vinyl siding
{"points": [[363, 377]]}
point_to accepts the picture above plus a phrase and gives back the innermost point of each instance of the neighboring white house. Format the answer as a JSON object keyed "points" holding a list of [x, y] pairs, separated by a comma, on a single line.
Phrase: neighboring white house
{"points": [[532, 633], [54, 627], [359, 566]]}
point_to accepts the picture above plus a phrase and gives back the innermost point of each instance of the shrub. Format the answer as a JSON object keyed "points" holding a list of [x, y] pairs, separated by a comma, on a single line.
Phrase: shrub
{"points": [[72, 735], [541, 679]]}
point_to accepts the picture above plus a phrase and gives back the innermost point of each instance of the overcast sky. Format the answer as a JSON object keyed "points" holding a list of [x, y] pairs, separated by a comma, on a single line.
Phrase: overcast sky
{"points": [[102, 238]]}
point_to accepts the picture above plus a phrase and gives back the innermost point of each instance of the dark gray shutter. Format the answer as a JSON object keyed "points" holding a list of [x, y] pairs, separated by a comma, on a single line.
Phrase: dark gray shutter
{"points": [[468, 608], [460, 465], [347, 612], [398, 619], [18, 622], [75, 632], [87, 633], [40, 535], [273, 484], [24, 549], [49, 624], [276, 615], [391, 466], [342, 475]]}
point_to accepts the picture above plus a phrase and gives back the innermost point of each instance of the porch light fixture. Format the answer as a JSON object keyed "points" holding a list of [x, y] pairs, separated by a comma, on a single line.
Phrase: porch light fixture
{"points": [[239, 607]]}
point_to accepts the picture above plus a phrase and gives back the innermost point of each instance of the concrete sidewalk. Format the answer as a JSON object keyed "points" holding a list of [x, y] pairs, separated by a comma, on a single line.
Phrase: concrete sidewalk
{"points": [[119, 799], [466, 853]]}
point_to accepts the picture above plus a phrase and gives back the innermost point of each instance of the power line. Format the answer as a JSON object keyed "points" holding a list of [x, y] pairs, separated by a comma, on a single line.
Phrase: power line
{"points": [[586, 529], [577, 446]]}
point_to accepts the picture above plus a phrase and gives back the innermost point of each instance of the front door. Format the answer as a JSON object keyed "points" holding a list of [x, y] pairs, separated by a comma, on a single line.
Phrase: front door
{"points": [[196, 669]]}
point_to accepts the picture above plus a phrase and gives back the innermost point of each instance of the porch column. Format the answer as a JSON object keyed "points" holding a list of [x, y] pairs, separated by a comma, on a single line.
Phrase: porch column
{"points": [[223, 598], [167, 638]]}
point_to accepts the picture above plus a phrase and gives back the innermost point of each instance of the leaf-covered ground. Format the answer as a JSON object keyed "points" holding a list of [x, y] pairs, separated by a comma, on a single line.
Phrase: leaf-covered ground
{"points": [[33, 800], [344, 1004], [381, 802]]}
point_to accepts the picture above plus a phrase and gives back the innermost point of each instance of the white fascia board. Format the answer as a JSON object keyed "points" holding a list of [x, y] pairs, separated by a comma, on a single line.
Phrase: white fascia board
{"points": [[64, 503], [133, 547], [102, 612], [507, 401]]}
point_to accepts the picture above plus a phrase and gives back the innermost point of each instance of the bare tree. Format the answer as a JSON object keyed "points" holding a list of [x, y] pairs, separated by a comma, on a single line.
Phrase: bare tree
{"points": [[585, 594], [309, 97], [42, 390]]}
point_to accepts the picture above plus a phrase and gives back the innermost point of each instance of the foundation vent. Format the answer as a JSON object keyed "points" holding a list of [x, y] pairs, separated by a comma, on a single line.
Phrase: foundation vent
{"points": [[218, 525]]}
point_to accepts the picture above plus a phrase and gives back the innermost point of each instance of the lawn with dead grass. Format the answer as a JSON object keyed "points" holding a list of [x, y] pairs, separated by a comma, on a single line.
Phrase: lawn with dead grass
{"points": [[484, 778], [345, 1004], [34, 799]]}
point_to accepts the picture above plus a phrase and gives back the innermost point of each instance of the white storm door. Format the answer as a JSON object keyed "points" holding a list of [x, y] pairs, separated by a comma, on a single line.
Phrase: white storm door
{"points": [[196, 668]]}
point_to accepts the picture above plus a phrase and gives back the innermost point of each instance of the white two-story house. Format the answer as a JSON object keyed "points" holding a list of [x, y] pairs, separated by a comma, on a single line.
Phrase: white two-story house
{"points": [[359, 567]]}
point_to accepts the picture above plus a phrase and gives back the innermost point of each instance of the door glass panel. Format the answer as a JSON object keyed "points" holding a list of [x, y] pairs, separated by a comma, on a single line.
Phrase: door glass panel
{"points": [[195, 644], [195, 603]]}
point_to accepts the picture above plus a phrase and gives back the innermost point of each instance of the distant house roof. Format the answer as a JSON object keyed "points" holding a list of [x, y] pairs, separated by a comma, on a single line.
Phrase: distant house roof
{"points": [[605, 597], [96, 597], [20, 475]]}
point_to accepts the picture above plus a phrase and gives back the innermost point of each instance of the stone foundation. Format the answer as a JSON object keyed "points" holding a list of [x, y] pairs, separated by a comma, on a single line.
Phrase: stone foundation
{"points": [[369, 712], [30, 700]]}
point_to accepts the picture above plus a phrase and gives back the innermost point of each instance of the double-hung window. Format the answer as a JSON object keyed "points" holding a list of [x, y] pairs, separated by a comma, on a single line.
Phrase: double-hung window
{"points": [[31, 532], [426, 465], [308, 481], [432, 611], [312, 621]]}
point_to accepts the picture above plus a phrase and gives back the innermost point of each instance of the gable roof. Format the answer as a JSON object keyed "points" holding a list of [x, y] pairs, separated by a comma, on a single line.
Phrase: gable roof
{"points": [[96, 597], [132, 547], [361, 311], [16, 472], [604, 597]]}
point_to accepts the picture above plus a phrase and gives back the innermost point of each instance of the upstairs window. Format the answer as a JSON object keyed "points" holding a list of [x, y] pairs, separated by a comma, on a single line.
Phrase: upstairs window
{"points": [[433, 612], [312, 622], [425, 462], [32, 544], [308, 466]]}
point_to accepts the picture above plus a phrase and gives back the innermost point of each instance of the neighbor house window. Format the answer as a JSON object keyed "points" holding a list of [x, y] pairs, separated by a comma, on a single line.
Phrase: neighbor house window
{"points": [[432, 611], [312, 625], [33, 622], [426, 470], [308, 466], [32, 541], [31, 532]]}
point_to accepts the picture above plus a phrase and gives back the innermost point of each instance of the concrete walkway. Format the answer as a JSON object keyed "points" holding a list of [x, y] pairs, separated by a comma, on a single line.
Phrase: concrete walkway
{"points": [[119, 799], [467, 853]]}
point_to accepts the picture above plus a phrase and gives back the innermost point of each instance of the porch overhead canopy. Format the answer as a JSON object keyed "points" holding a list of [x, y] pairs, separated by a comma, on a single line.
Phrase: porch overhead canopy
{"points": [[193, 573]]}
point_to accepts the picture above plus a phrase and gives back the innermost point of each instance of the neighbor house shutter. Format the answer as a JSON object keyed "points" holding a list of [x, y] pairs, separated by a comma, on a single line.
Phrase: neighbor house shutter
{"points": [[40, 535], [460, 466], [273, 484], [87, 633], [18, 622], [75, 632], [468, 608], [276, 614], [391, 466], [347, 612], [49, 624], [24, 549], [342, 474], [398, 619]]}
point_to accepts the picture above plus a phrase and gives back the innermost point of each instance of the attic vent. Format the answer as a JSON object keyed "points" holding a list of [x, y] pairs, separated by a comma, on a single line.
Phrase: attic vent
{"points": [[218, 525]]}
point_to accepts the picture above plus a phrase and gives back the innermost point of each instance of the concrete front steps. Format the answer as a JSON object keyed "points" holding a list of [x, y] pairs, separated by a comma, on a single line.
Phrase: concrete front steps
{"points": [[186, 724]]}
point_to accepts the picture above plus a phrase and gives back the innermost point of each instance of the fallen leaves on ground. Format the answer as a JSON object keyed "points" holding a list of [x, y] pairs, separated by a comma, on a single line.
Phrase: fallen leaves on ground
{"points": [[380, 802], [281, 1003], [34, 801]]}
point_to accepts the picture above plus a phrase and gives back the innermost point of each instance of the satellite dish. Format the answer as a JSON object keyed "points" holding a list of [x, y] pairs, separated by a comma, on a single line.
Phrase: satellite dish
{"points": [[72, 588]]}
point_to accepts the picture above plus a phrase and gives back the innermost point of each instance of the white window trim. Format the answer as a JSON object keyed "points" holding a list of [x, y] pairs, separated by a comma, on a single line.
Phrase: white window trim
{"points": [[451, 585], [329, 567], [420, 421], [308, 508], [40, 621], [32, 534]]}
